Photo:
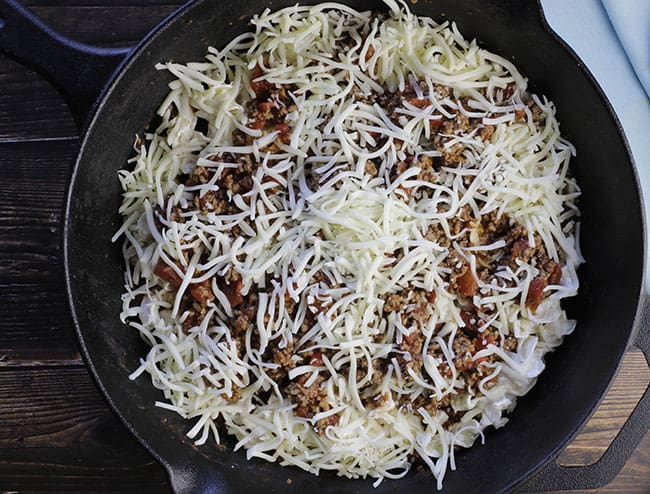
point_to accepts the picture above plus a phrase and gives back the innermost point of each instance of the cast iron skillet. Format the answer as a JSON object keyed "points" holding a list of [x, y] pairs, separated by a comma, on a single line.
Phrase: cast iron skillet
{"points": [[610, 306]]}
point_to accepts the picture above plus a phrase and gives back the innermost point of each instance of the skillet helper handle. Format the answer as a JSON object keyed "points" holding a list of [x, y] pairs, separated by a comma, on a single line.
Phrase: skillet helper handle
{"points": [[78, 71], [197, 477], [554, 477]]}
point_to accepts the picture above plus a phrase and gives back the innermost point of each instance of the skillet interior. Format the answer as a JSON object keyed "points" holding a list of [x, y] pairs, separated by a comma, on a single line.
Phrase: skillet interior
{"points": [[577, 374]]}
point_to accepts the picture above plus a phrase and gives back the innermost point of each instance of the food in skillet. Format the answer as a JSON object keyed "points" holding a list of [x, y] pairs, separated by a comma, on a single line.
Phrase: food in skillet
{"points": [[347, 240]]}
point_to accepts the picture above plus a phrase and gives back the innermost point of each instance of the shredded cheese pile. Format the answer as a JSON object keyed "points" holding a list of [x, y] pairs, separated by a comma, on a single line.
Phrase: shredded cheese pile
{"points": [[321, 238]]}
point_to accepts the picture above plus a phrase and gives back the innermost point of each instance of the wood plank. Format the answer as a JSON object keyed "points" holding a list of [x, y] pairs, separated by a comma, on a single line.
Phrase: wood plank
{"points": [[58, 435], [35, 175], [31, 207], [29, 107], [600, 430], [34, 315], [36, 325]]}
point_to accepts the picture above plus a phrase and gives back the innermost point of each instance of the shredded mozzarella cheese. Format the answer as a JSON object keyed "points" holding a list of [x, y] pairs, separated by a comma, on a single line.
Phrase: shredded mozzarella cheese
{"points": [[322, 238]]}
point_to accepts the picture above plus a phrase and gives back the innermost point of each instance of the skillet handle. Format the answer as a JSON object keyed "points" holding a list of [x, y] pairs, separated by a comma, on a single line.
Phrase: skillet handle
{"points": [[78, 71], [197, 476], [554, 477]]}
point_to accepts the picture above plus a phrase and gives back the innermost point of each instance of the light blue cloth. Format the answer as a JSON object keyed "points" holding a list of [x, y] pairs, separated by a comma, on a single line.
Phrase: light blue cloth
{"points": [[586, 27], [631, 21]]}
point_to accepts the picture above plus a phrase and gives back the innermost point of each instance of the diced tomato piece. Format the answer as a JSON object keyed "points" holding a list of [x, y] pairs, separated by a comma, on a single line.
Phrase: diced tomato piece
{"points": [[285, 132], [167, 273], [467, 285], [232, 291], [535, 292], [266, 106], [470, 319], [316, 358], [520, 250], [262, 88], [202, 292], [332, 420], [556, 274], [419, 102], [434, 125], [256, 124]]}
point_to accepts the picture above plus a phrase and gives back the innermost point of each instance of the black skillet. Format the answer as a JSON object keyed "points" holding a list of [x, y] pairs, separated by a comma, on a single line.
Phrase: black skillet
{"points": [[611, 305]]}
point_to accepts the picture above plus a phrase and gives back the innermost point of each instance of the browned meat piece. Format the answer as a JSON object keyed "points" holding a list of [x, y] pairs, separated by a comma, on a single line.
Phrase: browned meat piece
{"points": [[435, 233], [486, 132], [429, 403], [555, 272], [235, 394], [370, 52], [538, 113], [458, 125], [371, 168], [201, 292], [310, 400], [427, 171], [419, 102], [412, 344], [522, 251], [196, 312], [282, 357], [508, 91], [471, 320], [494, 227], [441, 91], [285, 132], [510, 343], [464, 350], [256, 124], [322, 424], [266, 106], [200, 175], [434, 125], [394, 302], [212, 201]]}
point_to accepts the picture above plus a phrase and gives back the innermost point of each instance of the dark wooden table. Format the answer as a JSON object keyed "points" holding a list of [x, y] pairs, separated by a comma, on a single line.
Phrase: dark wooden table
{"points": [[56, 432]]}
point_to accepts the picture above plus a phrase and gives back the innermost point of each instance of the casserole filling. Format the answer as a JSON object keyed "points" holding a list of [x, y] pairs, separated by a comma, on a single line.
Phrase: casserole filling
{"points": [[347, 238]]}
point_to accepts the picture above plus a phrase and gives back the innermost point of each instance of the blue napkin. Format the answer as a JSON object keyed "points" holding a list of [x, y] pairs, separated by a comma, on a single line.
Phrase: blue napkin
{"points": [[588, 27], [631, 21]]}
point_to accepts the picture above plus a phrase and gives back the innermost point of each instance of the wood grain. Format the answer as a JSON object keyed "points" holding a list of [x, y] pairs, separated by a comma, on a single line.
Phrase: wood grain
{"points": [[63, 437], [56, 432], [34, 317], [622, 397], [27, 101]]}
